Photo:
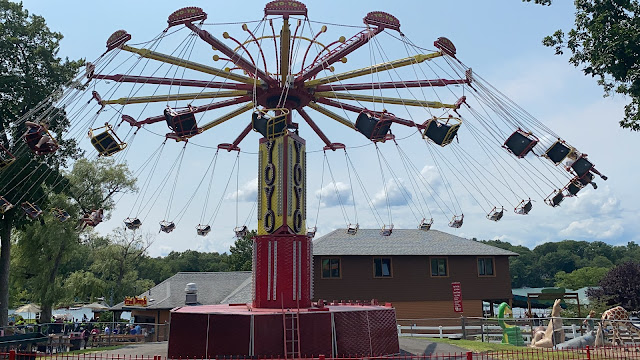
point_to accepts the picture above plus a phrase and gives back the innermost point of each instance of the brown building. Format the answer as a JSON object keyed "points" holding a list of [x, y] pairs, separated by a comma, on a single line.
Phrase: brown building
{"points": [[413, 269]]}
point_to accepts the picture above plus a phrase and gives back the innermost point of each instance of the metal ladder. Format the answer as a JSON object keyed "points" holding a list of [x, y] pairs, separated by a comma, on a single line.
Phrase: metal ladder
{"points": [[290, 320]]}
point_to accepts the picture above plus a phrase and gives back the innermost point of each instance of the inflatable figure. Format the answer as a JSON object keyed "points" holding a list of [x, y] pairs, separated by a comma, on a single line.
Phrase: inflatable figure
{"points": [[511, 334], [554, 334]]}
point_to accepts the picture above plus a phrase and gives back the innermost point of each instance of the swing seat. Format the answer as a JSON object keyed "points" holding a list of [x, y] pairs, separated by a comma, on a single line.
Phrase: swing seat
{"points": [[586, 179], [107, 142], [456, 221], [442, 131], [311, 232], [375, 126], [6, 157], [132, 223], [555, 198], [31, 210], [203, 230], [386, 230], [167, 226], [495, 214], [241, 231], [524, 207], [520, 143], [270, 127], [425, 224], [32, 140], [558, 151], [183, 125], [582, 166], [352, 229], [573, 187], [60, 214], [5, 205]]}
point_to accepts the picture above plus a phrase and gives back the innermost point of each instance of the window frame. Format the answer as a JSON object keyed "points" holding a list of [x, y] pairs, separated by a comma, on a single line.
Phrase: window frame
{"points": [[339, 268], [446, 262], [390, 267], [493, 265]]}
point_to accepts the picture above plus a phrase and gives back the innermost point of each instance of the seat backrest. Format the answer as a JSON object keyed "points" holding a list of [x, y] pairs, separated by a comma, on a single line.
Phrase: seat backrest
{"points": [[557, 152], [373, 128], [520, 144], [582, 166]]}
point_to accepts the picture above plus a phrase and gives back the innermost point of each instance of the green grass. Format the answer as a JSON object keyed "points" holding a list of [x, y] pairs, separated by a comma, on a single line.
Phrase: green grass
{"points": [[527, 353]]}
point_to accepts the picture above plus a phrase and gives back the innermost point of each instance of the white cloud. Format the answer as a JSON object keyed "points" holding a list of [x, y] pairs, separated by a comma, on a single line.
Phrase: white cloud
{"points": [[248, 192], [594, 228], [334, 194], [395, 193], [431, 175], [594, 202]]}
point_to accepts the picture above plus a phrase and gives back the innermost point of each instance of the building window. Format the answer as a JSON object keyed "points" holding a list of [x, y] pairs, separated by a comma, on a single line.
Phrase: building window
{"points": [[331, 268], [382, 267], [439, 267], [485, 267]]}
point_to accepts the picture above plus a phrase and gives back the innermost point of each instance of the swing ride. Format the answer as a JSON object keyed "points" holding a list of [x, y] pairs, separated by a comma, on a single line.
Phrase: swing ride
{"points": [[281, 85]]}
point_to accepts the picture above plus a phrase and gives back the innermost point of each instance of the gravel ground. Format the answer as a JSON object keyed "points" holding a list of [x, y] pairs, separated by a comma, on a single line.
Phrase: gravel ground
{"points": [[407, 346]]}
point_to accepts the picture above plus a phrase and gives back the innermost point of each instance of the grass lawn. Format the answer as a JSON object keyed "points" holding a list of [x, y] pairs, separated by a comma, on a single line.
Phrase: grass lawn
{"points": [[92, 350]]}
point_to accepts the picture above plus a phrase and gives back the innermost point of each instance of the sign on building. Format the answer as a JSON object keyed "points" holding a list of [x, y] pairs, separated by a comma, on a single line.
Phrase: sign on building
{"points": [[457, 297]]}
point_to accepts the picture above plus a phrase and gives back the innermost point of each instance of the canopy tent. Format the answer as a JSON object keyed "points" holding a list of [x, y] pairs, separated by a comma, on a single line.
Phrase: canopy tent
{"points": [[96, 307], [29, 308]]}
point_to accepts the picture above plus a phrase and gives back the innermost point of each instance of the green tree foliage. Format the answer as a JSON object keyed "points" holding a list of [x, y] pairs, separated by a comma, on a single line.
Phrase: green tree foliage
{"points": [[604, 44], [539, 267], [242, 252], [586, 276], [30, 70], [620, 286]]}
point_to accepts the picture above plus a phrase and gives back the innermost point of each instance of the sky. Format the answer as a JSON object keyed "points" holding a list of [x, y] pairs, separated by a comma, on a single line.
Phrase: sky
{"points": [[500, 40]]}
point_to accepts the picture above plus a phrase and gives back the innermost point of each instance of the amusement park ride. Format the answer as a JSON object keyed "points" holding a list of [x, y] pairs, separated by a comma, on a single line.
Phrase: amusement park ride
{"points": [[278, 76]]}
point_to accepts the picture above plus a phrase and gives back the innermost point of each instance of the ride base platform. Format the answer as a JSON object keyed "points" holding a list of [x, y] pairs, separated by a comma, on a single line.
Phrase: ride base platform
{"points": [[339, 330]]}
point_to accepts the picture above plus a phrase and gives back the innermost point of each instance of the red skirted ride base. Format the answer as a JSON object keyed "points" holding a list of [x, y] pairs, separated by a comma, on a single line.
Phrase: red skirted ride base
{"points": [[216, 331]]}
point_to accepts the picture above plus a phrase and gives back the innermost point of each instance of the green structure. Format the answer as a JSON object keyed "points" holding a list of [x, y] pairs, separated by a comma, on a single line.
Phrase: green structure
{"points": [[510, 333]]}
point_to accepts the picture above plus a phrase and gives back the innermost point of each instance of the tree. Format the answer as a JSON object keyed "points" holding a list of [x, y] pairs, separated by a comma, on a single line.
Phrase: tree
{"points": [[242, 252], [605, 43], [586, 276], [44, 247], [116, 263], [30, 70], [621, 286]]}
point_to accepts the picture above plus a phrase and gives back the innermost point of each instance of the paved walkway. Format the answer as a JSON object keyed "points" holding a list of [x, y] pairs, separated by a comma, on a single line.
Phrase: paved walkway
{"points": [[415, 346], [422, 346]]}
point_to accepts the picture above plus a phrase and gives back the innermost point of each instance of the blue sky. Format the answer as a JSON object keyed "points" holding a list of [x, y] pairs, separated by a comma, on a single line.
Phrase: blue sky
{"points": [[500, 40]]}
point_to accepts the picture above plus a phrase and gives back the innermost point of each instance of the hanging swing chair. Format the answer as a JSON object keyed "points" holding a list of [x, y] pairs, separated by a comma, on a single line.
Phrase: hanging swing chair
{"points": [[520, 143], [31, 210], [6, 157], [203, 230], [183, 124], [574, 186], [374, 125], [34, 137], [5, 205], [241, 231], [386, 230], [523, 207], [93, 218], [352, 229], [558, 151], [106, 142], [425, 225], [269, 126], [167, 226], [496, 214], [60, 214], [132, 223], [456, 221], [311, 232], [442, 131], [555, 198]]}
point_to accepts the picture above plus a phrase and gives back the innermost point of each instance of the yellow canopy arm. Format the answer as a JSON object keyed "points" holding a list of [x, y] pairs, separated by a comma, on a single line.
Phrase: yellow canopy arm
{"points": [[384, 100], [416, 59], [331, 114], [226, 117], [191, 65]]}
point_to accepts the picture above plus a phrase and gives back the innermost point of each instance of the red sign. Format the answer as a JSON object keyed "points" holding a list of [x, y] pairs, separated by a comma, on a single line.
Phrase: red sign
{"points": [[135, 301], [457, 297]]}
